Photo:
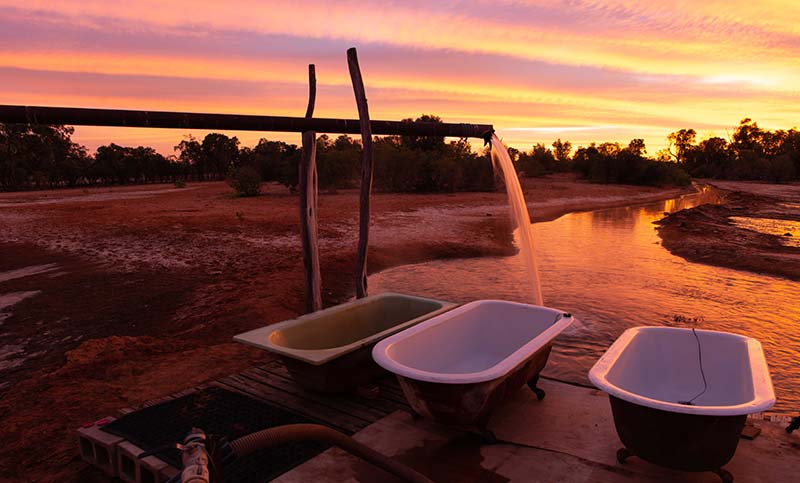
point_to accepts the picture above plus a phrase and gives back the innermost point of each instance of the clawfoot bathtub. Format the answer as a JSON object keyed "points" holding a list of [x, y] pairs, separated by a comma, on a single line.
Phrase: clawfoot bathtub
{"points": [[456, 367], [680, 399]]}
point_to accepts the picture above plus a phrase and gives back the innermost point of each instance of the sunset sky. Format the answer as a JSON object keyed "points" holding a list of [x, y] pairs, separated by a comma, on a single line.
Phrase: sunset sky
{"points": [[583, 70]]}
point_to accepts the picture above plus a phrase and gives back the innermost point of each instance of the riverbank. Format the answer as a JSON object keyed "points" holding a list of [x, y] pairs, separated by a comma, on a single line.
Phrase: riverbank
{"points": [[132, 293], [756, 228]]}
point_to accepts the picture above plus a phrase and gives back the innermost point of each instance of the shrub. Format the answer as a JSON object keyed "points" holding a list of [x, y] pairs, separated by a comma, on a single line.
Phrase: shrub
{"points": [[245, 181], [180, 183]]}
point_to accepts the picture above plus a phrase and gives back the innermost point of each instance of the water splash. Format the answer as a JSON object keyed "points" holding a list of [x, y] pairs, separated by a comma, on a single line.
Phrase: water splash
{"points": [[519, 214]]}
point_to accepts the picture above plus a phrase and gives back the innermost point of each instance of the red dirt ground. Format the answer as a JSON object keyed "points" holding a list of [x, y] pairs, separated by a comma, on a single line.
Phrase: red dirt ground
{"points": [[151, 283]]}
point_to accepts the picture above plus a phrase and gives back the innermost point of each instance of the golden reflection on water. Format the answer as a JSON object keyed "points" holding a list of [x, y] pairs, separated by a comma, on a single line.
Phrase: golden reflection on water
{"points": [[771, 226], [608, 268]]}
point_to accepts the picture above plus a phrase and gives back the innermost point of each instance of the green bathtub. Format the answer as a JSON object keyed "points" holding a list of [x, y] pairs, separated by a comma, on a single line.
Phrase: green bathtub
{"points": [[330, 350]]}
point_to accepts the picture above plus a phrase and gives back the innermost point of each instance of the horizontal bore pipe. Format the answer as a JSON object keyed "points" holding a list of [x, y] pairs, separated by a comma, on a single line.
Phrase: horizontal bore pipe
{"points": [[315, 432], [228, 122]]}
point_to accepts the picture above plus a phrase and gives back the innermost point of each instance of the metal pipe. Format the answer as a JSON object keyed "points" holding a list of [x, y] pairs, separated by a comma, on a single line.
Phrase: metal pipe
{"points": [[227, 122], [315, 432]]}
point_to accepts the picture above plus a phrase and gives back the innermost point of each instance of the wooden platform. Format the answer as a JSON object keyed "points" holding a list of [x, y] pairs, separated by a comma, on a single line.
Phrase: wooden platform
{"points": [[568, 437], [272, 383]]}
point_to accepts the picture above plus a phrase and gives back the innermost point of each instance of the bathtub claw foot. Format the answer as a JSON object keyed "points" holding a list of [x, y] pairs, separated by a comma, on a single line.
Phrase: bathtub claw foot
{"points": [[623, 454], [488, 437], [724, 475], [540, 394]]}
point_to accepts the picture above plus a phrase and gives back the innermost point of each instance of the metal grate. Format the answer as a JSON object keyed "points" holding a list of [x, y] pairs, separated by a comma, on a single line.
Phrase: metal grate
{"points": [[222, 413]]}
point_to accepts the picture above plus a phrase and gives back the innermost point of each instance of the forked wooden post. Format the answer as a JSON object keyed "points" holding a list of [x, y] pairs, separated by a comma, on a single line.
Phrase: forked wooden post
{"points": [[366, 172], [308, 205]]}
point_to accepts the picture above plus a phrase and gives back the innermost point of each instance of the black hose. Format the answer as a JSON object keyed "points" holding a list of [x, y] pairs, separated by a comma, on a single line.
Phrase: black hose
{"points": [[690, 402], [315, 432]]}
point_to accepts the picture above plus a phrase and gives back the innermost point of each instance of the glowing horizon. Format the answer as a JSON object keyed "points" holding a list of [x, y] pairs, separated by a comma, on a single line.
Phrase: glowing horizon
{"points": [[589, 70]]}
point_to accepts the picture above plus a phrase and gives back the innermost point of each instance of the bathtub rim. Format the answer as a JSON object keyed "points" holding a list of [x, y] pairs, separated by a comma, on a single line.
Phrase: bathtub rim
{"points": [[763, 392], [261, 337], [499, 370]]}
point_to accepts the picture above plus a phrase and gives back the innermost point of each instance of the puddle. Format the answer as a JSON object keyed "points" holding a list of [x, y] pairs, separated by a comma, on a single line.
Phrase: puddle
{"points": [[434, 459], [27, 272], [13, 298], [8, 356], [9, 299]]}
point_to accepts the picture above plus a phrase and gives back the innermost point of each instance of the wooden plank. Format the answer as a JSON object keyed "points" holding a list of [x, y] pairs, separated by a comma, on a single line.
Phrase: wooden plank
{"points": [[338, 423], [368, 414], [277, 367], [307, 187], [308, 408], [394, 394], [390, 389], [370, 409], [365, 409], [367, 164]]}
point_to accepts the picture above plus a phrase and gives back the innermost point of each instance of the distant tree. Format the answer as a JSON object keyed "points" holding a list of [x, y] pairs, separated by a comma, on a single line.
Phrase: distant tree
{"points": [[636, 147], [274, 161], [609, 149], [538, 162], [338, 162], [562, 150], [781, 169], [424, 143], [123, 165], [610, 163], [191, 153], [748, 136], [220, 153], [682, 142], [37, 156], [476, 169]]}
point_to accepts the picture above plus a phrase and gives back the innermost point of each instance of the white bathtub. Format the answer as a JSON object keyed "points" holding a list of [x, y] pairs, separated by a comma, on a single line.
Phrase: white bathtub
{"points": [[652, 372], [658, 366], [458, 365]]}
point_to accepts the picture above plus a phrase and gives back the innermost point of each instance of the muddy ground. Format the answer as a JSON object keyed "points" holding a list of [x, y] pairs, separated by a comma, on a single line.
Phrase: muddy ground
{"points": [[756, 228], [111, 297]]}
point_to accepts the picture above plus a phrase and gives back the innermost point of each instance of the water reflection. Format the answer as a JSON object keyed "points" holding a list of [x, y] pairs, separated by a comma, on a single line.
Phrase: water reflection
{"points": [[608, 268], [771, 226]]}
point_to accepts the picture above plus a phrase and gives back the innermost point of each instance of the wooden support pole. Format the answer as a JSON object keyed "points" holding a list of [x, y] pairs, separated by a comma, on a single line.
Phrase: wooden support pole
{"points": [[367, 163], [77, 116], [308, 205]]}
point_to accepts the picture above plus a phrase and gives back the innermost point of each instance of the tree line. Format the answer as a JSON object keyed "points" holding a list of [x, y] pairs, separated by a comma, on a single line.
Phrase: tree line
{"points": [[42, 157], [751, 153]]}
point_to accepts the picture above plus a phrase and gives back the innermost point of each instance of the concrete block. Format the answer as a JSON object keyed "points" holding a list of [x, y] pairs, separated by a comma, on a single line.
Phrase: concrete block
{"points": [[127, 454], [99, 448], [168, 472], [146, 470]]}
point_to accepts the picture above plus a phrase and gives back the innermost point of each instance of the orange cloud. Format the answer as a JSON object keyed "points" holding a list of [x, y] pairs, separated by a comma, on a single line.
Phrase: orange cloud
{"points": [[646, 68]]}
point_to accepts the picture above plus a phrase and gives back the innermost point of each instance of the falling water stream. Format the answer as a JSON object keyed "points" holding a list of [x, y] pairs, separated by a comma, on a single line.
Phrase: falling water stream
{"points": [[519, 214]]}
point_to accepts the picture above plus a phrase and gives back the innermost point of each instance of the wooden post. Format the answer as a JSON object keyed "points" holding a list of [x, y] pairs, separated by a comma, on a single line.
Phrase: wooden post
{"points": [[308, 205], [366, 172]]}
